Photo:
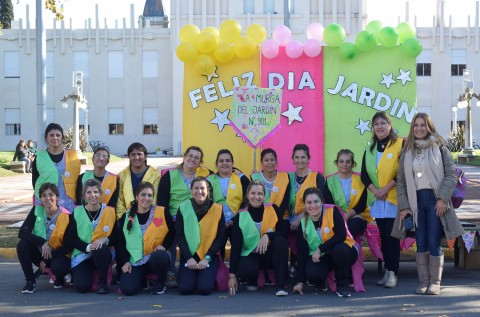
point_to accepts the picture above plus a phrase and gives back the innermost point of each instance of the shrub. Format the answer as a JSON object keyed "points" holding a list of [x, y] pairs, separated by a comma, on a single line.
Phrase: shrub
{"points": [[68, 140], [456, 141]]}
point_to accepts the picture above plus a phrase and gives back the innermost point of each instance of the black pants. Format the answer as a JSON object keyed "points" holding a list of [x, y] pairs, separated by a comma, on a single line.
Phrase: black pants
{"points": [[201, 281], [83, 272], [390, 245], [340, 259], [276, 257], [356, 226], [131, 283], [29, 254]]}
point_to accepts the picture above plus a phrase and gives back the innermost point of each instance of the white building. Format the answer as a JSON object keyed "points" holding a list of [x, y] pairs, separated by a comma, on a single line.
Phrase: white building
{"points": [[133, 79]]}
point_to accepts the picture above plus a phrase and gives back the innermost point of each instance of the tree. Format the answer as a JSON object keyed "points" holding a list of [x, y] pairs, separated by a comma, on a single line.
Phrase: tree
{"points": [[52, 6], [6, 13]]}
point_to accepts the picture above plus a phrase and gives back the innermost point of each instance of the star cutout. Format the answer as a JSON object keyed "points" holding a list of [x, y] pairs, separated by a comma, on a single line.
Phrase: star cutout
{"points": [[404, 77], [221, 119], [387, 80], [293, 113], [363, 126], [212, 75], [239, 136]]}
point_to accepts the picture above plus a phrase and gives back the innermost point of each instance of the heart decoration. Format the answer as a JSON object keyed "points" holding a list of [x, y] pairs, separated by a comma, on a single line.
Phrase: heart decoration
{"points": [[157, 222]]}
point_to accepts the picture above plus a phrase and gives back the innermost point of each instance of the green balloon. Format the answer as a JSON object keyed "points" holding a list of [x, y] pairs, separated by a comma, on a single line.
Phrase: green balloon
{"points": [[374, 26], [347, 50], [365, 41], [388, 37], [405, 31], [412, 47], [334, 35]]}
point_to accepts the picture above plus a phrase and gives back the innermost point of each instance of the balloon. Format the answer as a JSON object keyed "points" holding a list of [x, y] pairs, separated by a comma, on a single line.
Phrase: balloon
{"points": [[230, 31], [244, 47], [388, 37], [374, 27], [282, 35], [334, 35], [189, 32], [315, 31], [186, 52], [365, 41], [294, 49], [256, 32], [405, 31], [312, 48], [205, 42], [270, 49], [204, 64], [347, 50], [214, 31], [412, 47], [224, 53]]}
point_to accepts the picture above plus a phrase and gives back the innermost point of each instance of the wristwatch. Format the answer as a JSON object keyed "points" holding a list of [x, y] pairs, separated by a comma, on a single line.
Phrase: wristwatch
{"points": [[208, 258]]}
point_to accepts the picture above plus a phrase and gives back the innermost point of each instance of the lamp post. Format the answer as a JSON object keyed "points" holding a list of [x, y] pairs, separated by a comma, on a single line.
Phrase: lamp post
{"points": [[79, 102], [464, 99], [454, 110]]}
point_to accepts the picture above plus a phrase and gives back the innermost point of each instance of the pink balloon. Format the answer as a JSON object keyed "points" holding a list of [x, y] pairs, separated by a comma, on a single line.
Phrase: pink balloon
{"points": [[269, 49], [315, 31], [282, 35], [294, 49], [312, 48]]}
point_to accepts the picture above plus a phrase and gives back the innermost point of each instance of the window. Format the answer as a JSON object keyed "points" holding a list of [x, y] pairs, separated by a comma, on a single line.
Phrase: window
{"points": [[115, 121], [424, 63], [150, 120], [150, 64], [115, 64], [269, 6], [12, 64], [80, 62], [459, 61], [82, 127], [50, 65], [12, 122], [249, 6]]}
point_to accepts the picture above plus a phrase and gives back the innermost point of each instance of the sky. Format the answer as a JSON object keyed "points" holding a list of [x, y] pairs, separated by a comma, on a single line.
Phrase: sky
{"points": [[386, 11]]}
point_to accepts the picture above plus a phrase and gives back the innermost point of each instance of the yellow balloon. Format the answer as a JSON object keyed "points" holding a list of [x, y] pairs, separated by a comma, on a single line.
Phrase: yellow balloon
{"points": [[186, 52], [205, 42], [189, 32], [214, 31], [256, 32], [230, 31], [244, 47], [204, 64], [224, 53]]}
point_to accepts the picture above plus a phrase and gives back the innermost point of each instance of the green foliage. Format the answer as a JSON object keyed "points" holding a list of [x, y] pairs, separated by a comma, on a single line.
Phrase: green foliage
{"points": [[6, 13], [68, 140], [456, 141]]}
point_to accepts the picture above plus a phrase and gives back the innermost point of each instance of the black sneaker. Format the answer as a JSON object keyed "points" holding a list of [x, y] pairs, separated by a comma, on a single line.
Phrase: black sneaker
{"points": [[29, 288], [102, 288], [343, 293], [59, 283], [323, 287], [159, 289]]}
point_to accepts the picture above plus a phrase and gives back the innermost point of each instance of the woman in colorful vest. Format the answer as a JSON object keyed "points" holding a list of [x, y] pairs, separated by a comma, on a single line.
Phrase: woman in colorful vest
{"points": [[146, 232], [229, 188], [277, 183], [346, 190], [110, 181], [199, 230], [426, 181], [323, 244], [41, 239], [258, 243], [379, 175], [93, 234], [135, 173], [57, 166]]}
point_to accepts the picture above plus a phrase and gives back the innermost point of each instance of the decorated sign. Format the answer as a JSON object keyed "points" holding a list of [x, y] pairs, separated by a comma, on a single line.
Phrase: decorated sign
{"points": [[255, 112]]}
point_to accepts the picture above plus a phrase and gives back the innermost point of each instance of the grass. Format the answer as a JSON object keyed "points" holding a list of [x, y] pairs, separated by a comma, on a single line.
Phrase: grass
{"points": [[474, 162], [8, 236]]}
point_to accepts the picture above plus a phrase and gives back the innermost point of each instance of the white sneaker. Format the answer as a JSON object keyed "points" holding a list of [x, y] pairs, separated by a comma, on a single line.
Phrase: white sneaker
{"points": [[392, 280], [281, 292], [68, 278], [384, 279], [252, 288]]}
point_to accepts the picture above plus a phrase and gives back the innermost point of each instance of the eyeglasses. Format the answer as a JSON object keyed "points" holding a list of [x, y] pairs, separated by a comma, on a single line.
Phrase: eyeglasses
{"points": [[145, 195], [101, 156], [344, 161]]}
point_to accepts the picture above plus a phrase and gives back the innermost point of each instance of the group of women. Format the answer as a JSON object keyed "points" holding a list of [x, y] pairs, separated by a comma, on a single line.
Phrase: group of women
{"points": [[139, 218]]}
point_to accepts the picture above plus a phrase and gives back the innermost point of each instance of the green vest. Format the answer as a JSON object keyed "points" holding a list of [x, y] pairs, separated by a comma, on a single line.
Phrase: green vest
{"points": [[337, 191], [133, 238], [190, 221], [39, 228], [49, 171], [250, 233], [179, 192], [311, 235], [84, 226]]}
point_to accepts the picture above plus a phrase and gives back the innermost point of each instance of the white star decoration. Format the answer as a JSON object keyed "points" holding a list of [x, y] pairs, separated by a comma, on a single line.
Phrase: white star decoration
{"points": [[293, 113], [388, 80], [404, 77], [239, 136], [221, 119], [363, 126], [212, 75]]}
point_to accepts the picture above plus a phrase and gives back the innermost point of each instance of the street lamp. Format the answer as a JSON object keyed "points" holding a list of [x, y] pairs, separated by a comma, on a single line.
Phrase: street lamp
{"points": [[79, 102], [464, 102], [454, 110]]}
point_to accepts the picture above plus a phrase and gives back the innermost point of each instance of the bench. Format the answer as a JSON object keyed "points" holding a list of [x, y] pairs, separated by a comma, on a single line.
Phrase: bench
{"points": [[18, 166]]}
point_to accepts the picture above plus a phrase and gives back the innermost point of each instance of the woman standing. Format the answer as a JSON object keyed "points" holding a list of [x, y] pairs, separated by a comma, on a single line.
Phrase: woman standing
{"points": [[146, 232], [41, 239], [57, 166], [323, 244], [93, 234], [258, 243], [199, 228], [426, 181], [379, 175]]}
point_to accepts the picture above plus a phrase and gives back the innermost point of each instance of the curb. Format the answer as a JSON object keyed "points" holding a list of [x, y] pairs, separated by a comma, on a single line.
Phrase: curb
{"points": [[16, 198]]}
